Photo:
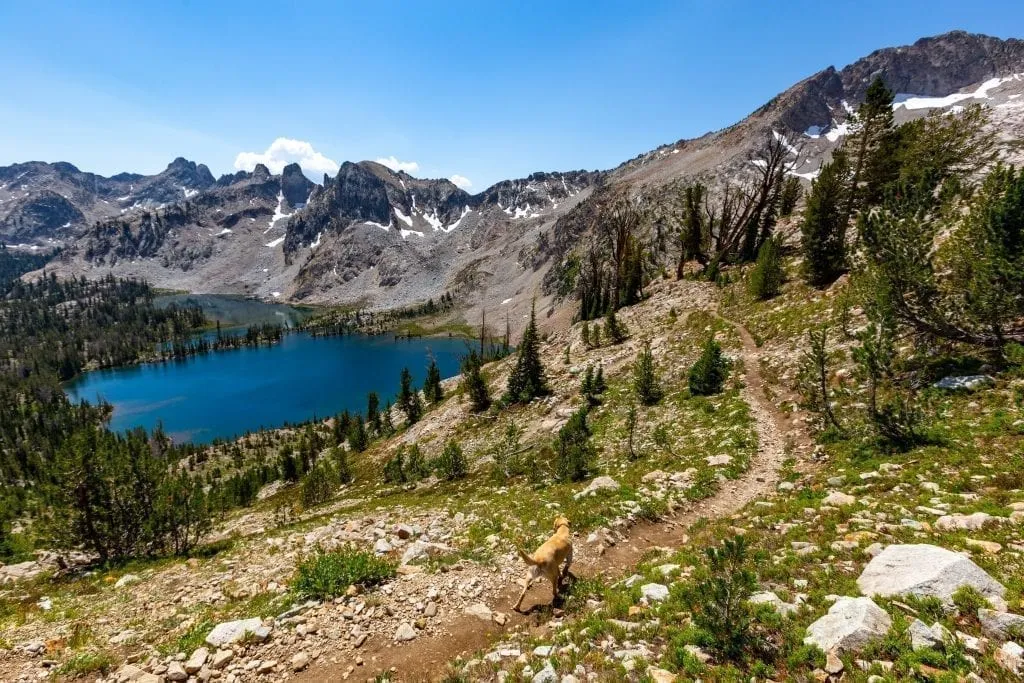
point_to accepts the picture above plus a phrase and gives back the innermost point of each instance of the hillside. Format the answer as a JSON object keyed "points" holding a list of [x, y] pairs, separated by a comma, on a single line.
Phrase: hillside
{"points": [[785, 421]]}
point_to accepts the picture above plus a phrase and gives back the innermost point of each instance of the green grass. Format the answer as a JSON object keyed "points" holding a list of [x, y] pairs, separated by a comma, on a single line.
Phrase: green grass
{"points": [[326, 575], [85, 663]]}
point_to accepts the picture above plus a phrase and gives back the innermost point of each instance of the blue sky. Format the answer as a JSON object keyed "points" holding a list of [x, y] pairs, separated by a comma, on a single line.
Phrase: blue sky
{"points": [[482, 90]]}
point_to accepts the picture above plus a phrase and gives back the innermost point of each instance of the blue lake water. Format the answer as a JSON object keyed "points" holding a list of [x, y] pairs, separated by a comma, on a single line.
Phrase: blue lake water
{"points": [[226, 393]]}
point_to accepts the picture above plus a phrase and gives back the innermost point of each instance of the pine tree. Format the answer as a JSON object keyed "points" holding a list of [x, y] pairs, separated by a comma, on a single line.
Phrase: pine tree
{"points": [[373, 412], [823, 231], [409, 399], [872, 147], [451, 464], [791, 192], [707, 376], [585, 335], [341, 466], [357, 439], [387, 426], [645, 378], [767, 276], [527, 382], [614, 330], [474, 384], [432, 385], [574, 454]]}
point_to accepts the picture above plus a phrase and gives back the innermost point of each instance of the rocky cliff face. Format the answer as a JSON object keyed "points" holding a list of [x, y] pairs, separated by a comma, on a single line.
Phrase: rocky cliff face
{"points": [[381, 238]]}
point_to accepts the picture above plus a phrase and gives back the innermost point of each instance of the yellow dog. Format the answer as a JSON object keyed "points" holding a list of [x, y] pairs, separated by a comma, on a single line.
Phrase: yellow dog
{"points": [[548, 558]]}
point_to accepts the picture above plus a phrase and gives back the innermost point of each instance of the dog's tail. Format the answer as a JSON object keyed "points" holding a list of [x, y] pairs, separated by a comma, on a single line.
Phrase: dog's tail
{"points": [[526, 557]]}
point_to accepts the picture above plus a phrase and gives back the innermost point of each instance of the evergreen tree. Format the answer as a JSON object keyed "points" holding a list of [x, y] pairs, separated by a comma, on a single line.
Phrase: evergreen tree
{"points": [[872, 147], [432, 385], [574, 453], [614, 331], [693, 231], [823, 231], [527, 382], [373, 412], [394, 468], [409, 399], [387, 426], [767, 276], [585, 335], [645, 379], [474, 384], [341, 466], [357, 439], [708, 374], [451, 464], [791, 192], [415, 465]]}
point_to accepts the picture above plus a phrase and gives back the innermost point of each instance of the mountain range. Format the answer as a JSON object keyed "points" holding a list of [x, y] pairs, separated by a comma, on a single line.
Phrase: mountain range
{"points": [[378, 238]]}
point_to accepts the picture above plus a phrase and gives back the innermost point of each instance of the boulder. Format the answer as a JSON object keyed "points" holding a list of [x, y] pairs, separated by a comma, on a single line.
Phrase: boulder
{"points": [[1011, 657], [1001, 625], [196, 661], [546, 675], [777, 604], [127, 580], [422, 550], [480, 611], [838, 499], [603, 483], [971, 522], [382, 547], [130, 672], [966, 382], [228, 632], [221, 658], [660, 675], [300, 661], [851, 623], [922, 637], [175, 672], [926, 571], [654, 592]]}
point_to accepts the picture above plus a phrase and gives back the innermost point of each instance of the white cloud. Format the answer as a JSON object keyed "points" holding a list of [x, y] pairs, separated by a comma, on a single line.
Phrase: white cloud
{"points": [[396, 165], [284, 151], [461, 181]]}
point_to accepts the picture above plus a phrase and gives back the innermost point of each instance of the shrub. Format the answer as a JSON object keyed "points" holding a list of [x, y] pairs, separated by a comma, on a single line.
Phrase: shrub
{"points": [[85, 663], [593, 385], [326, 575], [318, 485], [645, 379], [394, 468], [708, 374], [508, 453], [574, 454], [767, 276], [968, 601], [718, 600], [451, 464], [415, 464], [341, 466], [614, 330], [473, 382]]}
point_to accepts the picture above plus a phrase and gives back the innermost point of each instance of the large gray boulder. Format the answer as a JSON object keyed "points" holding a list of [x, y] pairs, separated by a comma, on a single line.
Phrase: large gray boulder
{"points": [[850, 625], [1001, 625], [927, 571], [229, 632]]}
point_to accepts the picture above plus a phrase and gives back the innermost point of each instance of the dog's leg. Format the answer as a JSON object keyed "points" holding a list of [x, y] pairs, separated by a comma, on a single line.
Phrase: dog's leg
{"points": [[568, 561], [526, 586]]}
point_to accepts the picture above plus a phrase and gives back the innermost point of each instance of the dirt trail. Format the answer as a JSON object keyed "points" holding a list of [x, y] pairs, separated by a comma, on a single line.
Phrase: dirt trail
{"points": [[426, 658]]}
